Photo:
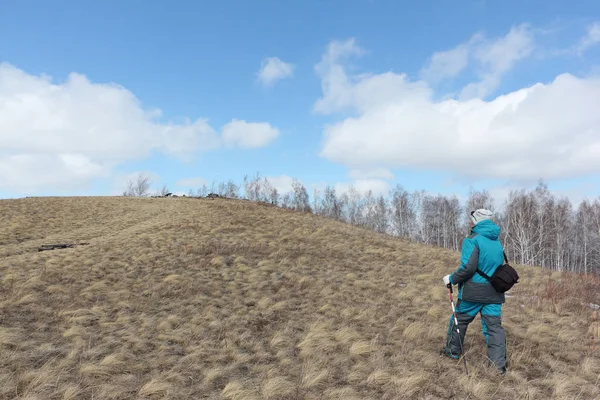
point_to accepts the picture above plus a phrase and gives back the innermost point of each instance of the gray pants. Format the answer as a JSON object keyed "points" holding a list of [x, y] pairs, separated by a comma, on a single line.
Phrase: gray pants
{"points": [[491, 324]]}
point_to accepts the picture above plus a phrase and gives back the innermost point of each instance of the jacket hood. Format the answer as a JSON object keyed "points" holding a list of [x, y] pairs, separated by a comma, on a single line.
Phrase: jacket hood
{"points": [[488, 229]]}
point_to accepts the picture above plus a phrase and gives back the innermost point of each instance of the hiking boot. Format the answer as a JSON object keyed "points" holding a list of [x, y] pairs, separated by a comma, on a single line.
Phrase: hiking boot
{"points": [[449, 354]]}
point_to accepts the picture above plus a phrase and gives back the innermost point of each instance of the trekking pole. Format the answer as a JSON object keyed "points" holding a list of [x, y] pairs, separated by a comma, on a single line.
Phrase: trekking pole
{"points": [[449, 286]]}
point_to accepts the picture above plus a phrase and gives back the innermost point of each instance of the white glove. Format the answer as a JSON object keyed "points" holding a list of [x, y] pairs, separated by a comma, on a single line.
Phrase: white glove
{"points": [[447, 280]]}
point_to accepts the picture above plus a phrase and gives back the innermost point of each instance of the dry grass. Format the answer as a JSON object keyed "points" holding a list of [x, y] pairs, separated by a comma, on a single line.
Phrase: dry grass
{"points": [[186, 298]]}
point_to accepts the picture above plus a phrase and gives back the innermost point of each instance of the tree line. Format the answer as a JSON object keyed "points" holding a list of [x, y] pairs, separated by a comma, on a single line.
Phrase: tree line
{"points": [[537, 227]]}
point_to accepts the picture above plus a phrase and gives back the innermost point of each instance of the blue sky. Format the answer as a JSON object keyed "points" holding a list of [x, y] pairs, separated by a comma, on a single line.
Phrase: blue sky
{"points": [[359, 92]]}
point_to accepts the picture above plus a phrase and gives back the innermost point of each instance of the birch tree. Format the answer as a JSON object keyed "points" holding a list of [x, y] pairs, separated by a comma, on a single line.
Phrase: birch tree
{"points": [[521, 226], [355, 207], [381, 218], [274, 196], [300, 197], [317, 209], [403, 212], [138, 187]]}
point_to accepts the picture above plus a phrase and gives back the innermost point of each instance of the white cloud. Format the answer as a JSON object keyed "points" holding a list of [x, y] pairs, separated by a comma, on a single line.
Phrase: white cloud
{"points": [[371, 173], [273, 69], [63, 135], [591, 38], [548, 130], [448, 63], [282, 183], [192, 183], [248, 134], [376, 186], [498, 57], [362, 92], [64, 171], [493, 59]]}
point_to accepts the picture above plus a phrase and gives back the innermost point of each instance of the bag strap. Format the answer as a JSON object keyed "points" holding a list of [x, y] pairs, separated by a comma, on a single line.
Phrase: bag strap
{"points": [[480, 272], [489, 278]]}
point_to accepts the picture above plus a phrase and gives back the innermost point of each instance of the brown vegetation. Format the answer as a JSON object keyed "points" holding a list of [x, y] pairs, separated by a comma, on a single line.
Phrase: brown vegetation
{"points": [[216, 299]]}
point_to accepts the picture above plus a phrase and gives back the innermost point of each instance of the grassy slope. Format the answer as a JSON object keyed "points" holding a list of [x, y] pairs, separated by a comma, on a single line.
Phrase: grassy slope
{"points": [[186, 298]]}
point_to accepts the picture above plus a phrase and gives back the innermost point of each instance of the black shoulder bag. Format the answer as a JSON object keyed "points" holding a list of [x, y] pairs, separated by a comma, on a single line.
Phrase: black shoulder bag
{"points": [[504, 278]]}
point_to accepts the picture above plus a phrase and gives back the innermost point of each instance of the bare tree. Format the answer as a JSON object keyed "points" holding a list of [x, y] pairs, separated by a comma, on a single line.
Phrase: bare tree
{"points": [[595, 229], [138, 187], [232, 190], [429, 220], [254, 188], [274, 196], [522, 228], [329, 203], [339, 207], [440, 218], [369, 214], [203, 191], [561, 228], [247, 188], [546, 203], [452, 225], [381, 215], [287, 201], [583, 237], [222, 189], [130, 190], [265, 190], [355, 207], [528, 225], [142, 185], [403, 212], [300, 197], [316, 207], [164, 191], [587, 237]]}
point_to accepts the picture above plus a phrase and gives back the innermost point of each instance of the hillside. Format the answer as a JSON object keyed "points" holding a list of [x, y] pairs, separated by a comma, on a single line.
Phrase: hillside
{"points": [[221, 299]]}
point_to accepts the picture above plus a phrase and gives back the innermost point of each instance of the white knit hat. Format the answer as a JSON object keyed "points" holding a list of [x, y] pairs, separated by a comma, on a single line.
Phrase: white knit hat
{"points": [[480, 215]]}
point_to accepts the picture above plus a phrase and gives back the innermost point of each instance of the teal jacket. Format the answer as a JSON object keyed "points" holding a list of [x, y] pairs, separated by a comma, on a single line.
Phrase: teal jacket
{"points": [[480, 250]]}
